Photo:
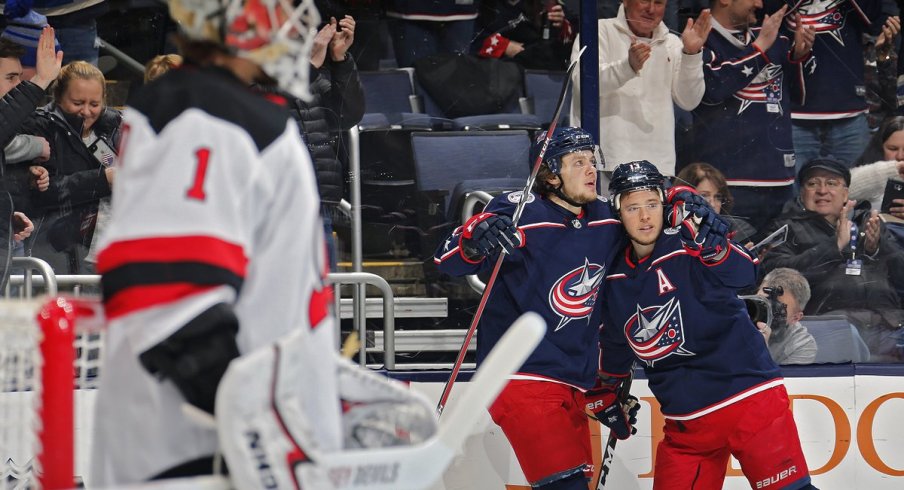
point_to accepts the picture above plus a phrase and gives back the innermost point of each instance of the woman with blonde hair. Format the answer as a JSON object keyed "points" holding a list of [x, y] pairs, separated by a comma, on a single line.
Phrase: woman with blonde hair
{"points": [[83, 134]]}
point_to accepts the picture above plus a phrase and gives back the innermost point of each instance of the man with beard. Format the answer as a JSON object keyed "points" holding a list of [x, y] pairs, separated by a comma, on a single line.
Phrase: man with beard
{"points": [[556, 260], [671, 303], [789, 342], [743, 125]]}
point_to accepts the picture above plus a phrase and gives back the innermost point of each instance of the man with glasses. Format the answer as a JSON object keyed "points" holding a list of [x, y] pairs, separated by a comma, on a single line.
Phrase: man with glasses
{"points": [[672, 304], [845, 253]]}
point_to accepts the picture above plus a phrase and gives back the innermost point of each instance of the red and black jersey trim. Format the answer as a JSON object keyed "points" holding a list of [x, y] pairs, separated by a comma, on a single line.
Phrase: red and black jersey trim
{"points": [[142, 273]]}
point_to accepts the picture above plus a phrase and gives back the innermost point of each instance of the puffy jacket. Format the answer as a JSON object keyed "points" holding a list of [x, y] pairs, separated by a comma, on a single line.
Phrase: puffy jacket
{"points": [[811, 249], [15, 107], [64, 213], [337, 105]]}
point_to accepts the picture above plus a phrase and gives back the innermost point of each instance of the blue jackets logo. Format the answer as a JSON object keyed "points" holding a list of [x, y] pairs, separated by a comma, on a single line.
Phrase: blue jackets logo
{"points": [[656, 332], [825, 16], [572, 297], [766, 88]]}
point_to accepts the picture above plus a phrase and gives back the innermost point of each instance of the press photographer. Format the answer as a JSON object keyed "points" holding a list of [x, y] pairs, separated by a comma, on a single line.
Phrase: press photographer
{"points": [[784, 293]]}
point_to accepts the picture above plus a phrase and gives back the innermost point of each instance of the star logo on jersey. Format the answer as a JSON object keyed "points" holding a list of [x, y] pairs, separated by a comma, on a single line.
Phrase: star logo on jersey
{"points": [[825, 17], [572, 297], [766, 87], [656, 332]]}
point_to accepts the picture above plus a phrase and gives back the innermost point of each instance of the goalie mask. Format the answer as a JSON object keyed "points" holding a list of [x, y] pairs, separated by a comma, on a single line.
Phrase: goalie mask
{"points": [[564, 140], [635, 176], [275, 34]]}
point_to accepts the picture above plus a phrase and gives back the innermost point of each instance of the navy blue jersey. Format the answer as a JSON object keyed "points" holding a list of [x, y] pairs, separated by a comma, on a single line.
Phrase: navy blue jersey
{"points": [[743, 124], [683, 320], [832, 82], [558, 273]]}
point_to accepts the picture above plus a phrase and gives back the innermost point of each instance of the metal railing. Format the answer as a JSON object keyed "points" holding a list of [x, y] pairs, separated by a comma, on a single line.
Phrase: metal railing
{"points": [[52, 283], [359, 280]]}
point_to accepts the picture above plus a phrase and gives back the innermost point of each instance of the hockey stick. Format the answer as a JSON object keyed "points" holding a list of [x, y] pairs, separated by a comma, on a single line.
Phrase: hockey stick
{"points": [[447, 389], [609, 452]]}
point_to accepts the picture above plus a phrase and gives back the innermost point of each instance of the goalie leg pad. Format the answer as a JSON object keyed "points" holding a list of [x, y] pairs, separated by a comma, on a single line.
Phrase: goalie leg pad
{"points": [[196, 356]]}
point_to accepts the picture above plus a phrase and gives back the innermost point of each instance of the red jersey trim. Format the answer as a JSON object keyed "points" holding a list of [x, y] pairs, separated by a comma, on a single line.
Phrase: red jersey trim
{"points": [[200, 249]]}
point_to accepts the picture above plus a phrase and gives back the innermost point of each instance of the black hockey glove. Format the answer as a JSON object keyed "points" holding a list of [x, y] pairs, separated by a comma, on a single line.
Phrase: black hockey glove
{"points": [[618, 415], [703, 232], [197, 355], [485, 233]]}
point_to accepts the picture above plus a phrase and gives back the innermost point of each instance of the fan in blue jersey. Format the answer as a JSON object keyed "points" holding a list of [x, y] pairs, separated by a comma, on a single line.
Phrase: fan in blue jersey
{"points": [[671, 303], [556, 259], [743, 124], [830, 119]]}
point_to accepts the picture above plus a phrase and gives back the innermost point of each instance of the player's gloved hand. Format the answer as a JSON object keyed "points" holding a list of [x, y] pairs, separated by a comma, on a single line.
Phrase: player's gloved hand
{"points": [[485, 233], [703, 232], [619, 416]]}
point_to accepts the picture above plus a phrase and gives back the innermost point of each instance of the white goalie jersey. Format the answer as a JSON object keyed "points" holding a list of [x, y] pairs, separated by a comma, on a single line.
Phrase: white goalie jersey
{"points": [[214, 201]]}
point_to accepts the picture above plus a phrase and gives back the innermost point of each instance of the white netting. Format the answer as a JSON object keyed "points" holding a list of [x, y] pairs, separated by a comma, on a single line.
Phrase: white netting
{"points": [[21, 387]]}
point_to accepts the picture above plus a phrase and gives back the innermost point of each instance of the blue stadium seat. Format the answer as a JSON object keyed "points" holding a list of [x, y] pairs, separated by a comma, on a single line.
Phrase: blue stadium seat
{"points": [[509, 118], [541, 92], [450, 164], [388, 91], [837, 341], [442, 160]]}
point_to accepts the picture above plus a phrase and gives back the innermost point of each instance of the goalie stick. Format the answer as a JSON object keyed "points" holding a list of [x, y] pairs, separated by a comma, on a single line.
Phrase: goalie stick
{"points": [[447, 389], [609, 451]]}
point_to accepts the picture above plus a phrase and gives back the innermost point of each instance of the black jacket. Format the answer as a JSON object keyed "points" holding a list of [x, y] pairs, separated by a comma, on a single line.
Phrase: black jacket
{"points": [[811, 248], [64, 213], [337, 105], [15, 107]]}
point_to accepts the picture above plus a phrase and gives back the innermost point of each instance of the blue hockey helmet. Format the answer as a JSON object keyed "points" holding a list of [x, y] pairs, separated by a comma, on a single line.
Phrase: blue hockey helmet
{"points": [[635, 176], [564, 140]]}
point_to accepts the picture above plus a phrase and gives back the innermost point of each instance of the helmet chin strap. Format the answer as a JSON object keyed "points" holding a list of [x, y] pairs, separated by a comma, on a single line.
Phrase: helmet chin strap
{"points": [[561, 195]]}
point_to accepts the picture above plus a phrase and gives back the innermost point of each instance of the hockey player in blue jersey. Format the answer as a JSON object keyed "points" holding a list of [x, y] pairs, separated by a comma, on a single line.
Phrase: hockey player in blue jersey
{"points": [[557, 258], [671, 303]]}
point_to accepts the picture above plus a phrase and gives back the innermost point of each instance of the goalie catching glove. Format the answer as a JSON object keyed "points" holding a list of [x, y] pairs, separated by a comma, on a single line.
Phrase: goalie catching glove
{"points": [[618, 415], [485, 233], [703, 232]]}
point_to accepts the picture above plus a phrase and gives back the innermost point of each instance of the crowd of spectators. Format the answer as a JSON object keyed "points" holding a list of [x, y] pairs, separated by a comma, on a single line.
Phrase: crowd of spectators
{"points": [[794, 120]]}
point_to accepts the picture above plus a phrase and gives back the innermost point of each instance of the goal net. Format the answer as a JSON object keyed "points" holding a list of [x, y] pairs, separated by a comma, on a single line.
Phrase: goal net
{"points": [[48, 349]]}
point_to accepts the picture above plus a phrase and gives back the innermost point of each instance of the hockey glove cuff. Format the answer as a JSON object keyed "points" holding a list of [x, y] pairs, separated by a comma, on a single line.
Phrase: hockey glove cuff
{"points": [[619, 416], [485, 233], [197, 355]]}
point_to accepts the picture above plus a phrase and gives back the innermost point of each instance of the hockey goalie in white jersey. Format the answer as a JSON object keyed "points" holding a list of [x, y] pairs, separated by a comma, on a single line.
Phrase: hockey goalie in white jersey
{"points": [[215, 248]]}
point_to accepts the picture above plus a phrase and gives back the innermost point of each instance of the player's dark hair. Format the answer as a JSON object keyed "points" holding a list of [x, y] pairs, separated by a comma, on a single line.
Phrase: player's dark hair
{"points": [[200, 53], [9, 49], [695, 173], [541, 184]]}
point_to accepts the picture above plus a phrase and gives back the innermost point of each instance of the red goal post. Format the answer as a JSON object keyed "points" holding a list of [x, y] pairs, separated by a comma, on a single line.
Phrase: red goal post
{"points": [[48, 349]]}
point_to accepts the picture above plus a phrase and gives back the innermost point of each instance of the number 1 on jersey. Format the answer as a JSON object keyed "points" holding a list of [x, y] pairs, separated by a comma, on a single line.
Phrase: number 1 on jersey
{"points": [[197, 189]]}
